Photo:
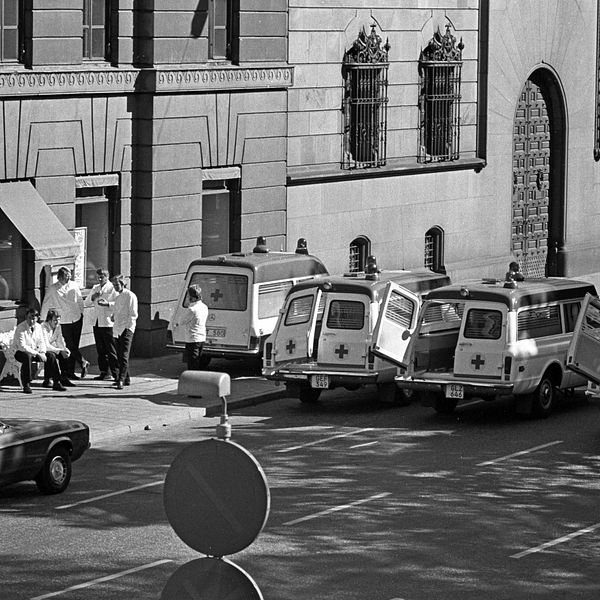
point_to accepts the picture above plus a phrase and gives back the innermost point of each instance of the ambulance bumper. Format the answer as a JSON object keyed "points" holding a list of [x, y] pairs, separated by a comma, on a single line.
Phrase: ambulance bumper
{"points": [[440, 386], [335, 377], [220, 352]]}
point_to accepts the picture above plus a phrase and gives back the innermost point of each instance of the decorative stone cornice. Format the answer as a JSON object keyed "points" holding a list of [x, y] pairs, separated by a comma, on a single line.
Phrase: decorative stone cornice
{"points": [[129, 80]]}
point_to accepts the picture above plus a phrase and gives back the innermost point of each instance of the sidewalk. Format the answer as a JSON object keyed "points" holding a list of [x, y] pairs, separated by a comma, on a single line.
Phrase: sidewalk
{"points": [[151, 399]]}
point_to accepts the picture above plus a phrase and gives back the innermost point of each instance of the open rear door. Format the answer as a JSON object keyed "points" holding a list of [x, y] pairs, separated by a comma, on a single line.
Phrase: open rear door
{"points": [[583, 355], [294, 335], [396, 322]]}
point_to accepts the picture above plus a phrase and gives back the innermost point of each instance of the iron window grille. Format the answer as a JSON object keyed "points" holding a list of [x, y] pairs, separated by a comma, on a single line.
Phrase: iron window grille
{"points": [[440, 66], [434, 250], [360, 248], [365, 72]]}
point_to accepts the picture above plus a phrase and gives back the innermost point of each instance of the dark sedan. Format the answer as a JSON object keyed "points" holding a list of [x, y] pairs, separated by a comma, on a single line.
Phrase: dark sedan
{"points": [[42, 450]]}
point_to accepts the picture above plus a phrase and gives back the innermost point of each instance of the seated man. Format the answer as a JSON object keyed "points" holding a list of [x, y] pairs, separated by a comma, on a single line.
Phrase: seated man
{"points": [[55, 344], [29, 343]]}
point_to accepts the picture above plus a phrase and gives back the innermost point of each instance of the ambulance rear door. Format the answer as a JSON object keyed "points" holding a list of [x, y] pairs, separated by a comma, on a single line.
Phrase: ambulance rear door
{"points": [[397, 320], [294, 335], [344, 333], [583, 355]]}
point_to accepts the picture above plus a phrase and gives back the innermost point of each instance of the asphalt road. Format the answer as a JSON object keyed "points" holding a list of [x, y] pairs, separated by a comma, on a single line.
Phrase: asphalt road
{"points": [[368, 502]]}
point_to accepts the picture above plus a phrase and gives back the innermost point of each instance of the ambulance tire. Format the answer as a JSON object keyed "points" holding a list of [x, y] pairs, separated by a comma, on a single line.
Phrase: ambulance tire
{"points": [[444, 406], [308, 395], [542, 399], [390, 392]]}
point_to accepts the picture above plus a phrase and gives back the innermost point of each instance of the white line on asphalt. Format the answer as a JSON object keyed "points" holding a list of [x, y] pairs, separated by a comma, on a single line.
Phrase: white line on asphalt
{"points": [[496, 460], [560, 540], [88, 584], [333, 437], [337, 508], [473, 402], [95, 498], [363, 445]]}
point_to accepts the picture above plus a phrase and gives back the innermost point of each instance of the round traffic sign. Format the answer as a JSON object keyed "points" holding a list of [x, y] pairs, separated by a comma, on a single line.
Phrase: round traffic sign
{"points": [[210, 579], [216, 497]]}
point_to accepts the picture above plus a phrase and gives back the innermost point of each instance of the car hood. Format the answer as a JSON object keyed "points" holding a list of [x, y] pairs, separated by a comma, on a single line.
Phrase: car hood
{"points": [[39, 426]]}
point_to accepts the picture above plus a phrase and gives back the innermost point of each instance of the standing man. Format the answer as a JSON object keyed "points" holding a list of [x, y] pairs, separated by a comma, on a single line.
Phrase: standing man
{"points": [[102, 297], [194, 327], [125, 313], [29, 344], [65, 296]]}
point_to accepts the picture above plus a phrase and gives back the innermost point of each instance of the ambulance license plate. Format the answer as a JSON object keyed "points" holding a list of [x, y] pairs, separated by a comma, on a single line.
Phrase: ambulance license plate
{"points": [[454, 390], [319, 381], [216, 332]]}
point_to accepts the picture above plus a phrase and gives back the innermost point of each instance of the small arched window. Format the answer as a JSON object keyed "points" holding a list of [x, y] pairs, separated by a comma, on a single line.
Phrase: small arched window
{"points": [[360, 248], [434, 250]]}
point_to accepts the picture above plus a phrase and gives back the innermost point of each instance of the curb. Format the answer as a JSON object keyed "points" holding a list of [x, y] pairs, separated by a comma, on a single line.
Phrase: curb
{"points": [[216, 410]]}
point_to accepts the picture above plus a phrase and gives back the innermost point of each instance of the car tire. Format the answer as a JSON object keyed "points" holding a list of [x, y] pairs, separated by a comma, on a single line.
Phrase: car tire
{"points": [[444, 406], [542, 399], [309, 395], [56, 472]]}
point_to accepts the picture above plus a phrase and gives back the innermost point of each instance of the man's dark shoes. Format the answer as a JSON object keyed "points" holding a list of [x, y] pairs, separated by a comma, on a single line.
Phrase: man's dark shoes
{"points": [[26, 389], [46, 383], [101, 377], [127, 382], [73, 376], [67, 383], [59, 387]]}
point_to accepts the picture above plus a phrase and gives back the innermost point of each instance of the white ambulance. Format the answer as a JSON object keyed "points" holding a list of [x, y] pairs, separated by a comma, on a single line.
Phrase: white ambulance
{"points": [[244, 292], [491, 338], [323, 338]]}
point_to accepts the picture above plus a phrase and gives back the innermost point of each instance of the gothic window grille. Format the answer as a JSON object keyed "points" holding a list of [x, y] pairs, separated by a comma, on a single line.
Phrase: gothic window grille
{"points": [[440, 67], [434, 250], [360, 248], [365, 71]]}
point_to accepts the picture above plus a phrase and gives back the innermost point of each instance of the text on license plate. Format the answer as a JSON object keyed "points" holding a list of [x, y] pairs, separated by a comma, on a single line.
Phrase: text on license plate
{"points": [[453, 390], [319, 381], [216, 332]]}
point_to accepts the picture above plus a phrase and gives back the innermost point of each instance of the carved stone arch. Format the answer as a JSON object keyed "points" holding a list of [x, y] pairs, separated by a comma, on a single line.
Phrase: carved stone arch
{"points": [[539, 166]]}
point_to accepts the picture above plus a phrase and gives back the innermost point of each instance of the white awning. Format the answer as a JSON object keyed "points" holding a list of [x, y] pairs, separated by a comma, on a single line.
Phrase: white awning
{"points": [[36, 222], [221, 173]]}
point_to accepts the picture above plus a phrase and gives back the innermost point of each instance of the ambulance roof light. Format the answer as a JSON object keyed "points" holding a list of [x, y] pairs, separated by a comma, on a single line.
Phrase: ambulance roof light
{"points": [[301, 246], [261, 245], [371, 269]]}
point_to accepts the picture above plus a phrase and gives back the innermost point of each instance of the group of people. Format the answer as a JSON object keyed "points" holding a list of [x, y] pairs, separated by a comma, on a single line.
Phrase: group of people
{"points": [[55, 341]]}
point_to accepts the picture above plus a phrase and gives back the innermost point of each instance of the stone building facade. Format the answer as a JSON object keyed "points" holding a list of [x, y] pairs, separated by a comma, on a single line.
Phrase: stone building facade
{"points": [[139, 135]]}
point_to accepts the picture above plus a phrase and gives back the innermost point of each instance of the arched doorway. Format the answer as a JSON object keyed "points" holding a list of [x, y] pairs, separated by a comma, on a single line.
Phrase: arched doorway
{"points": [[539, 176]]}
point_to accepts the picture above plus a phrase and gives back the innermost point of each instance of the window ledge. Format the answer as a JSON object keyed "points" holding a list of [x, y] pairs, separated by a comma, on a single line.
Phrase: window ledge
{"points": [[394, 168]]}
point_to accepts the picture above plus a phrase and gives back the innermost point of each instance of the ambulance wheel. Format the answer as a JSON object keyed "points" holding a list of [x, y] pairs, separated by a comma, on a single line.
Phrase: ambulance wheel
{"points": [[204, 361], [309, 395], [444, 406], [542, 399], [390, 392]]}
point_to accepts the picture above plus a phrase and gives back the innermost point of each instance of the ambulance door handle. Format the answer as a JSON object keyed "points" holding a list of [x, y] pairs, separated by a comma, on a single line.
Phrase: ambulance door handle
{"points": [[463, 344]]}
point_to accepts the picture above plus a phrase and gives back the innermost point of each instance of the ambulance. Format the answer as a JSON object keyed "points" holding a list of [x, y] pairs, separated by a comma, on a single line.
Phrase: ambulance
{"points": [[490, 338], [244, 292], [324, 336]]}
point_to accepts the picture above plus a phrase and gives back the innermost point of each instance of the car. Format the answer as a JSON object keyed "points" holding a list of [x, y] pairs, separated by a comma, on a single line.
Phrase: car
{"points": [[42, 450]]}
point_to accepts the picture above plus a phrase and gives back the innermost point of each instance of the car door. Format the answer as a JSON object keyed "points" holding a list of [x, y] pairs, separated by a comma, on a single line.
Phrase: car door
{"points": [[12, 452], [344, 331], [481, 343], [293, 338], [583, 355], [395, 324]]}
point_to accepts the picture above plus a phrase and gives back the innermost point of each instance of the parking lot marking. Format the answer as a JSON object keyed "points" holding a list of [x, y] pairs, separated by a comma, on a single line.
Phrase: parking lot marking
{"points": [[560, 540], [520, 453], [87, 584], [96, 498], [333, 437], [336, 509]]}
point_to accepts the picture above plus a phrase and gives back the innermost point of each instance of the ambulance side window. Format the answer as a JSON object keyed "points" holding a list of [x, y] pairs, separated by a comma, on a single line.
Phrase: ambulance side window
{"points": [[400, 310], [271, 297], [539, 322], [483, 324], [299, 310], [571, 311], [346, 314]]}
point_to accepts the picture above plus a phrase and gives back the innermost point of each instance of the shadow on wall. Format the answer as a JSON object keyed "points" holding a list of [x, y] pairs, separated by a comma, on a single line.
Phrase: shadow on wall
{"points": [[200, 18]]}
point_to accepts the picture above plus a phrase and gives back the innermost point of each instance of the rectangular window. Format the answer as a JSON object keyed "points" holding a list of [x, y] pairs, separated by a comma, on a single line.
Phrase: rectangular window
{"points": [[96, 34], [220, 216], [95, 210], [10, 30], [11, 260], [222, 292], [539, 322], [400, 310], [299, 310], [571, 312], [346, 314], [271, 297], [219, 29], [483, 324]]}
